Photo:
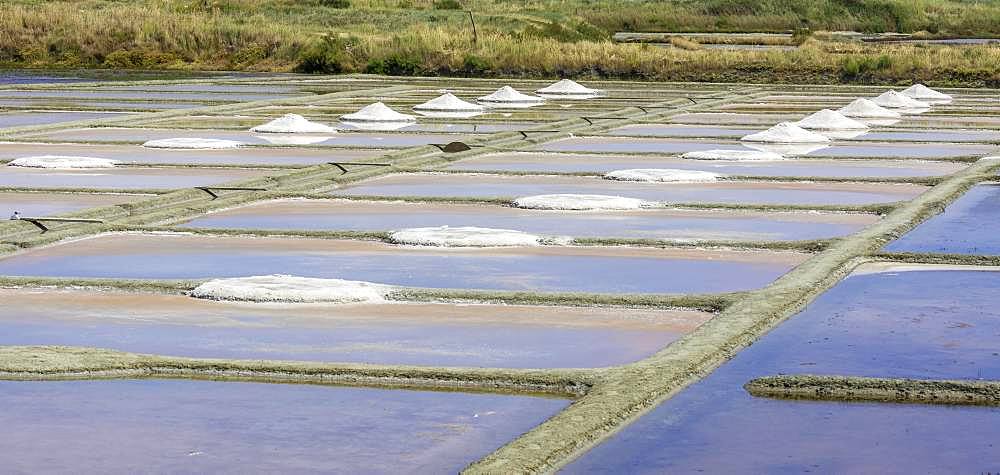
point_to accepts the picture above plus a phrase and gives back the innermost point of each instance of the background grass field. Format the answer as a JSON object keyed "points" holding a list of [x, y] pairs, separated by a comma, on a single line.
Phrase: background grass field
{"points": [[546, 38]]}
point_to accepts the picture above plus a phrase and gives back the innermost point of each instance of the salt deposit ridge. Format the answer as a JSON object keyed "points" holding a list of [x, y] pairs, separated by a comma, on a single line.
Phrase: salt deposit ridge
{"points": [[895, 100], [192, 143], [567, 86], [507, 94], [735, 155], [291, 289], [62, 161], [377, 112], [866, 109], [827, 119], [464, 236], [448, 103], [293, 124], [920, 91], [578, 202], [786, 132], [662, 175]]}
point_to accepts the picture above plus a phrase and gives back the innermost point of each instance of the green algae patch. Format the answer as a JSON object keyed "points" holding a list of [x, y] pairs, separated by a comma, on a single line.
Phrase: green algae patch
{"points": [[860, 389]]}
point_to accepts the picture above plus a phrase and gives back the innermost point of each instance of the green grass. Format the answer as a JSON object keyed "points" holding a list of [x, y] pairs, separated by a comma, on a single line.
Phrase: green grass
{"points": [[521, 39]]}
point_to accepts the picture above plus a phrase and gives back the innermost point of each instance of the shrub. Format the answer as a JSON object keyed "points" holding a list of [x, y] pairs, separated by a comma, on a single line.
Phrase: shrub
{"points": [[122, 59], [447, 5], [331, 55], [853, 67], [396, 64], [473, 64], [336, 3]]}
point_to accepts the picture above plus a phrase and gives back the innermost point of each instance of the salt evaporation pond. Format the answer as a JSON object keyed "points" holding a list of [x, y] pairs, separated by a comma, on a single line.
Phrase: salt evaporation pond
{"points": [[32, 204], [970, 225], [135, 154], [121, 178], [18, 119], [648, 223], [678, 146], [504, 186], [510, 336], [178, 426], [921, 324], [83, 104], [352, 139], [678, 130], [142, 95], [812, 167], [546, 268]]}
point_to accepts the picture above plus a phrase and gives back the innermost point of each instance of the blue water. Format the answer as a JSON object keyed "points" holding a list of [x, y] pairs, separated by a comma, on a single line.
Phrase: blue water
{"points": [[970, 225]]}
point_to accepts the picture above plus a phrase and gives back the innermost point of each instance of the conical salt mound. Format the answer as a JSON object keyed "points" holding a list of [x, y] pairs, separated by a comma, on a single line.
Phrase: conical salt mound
{"points": [[377, 112], [867, 109], [827, 119], [895, 100], [293, 124], [448, 103], [786, 132], [567, 86], [920, 91], [508, 94]]}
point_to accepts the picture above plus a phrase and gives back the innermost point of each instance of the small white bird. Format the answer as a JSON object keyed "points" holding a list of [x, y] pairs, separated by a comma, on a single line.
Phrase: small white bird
{"points": [[15, 216]]}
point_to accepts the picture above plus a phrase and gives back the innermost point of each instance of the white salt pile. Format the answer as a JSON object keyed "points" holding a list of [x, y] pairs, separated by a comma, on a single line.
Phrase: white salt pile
{"points": [[827, 119], [786, 132], [377, 112], [464, 236], [578, 202], [920, 91], [867, 109], [735, 155], [291, 289], [62, 161], [509, 95], [662, 175], [895, 100], [192, 143], [448, 103], [293, 124], [568, 87]]}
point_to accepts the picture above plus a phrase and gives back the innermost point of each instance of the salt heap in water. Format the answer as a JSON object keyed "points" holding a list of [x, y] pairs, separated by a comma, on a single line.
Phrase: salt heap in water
{"points": [[827, 119], [578, 202], [508, 95], [786, 132], [895, 100], [568, 87], [736, 155], [62, 161], [464, 236], [287, 288], [920, 91], [867, 109], [662, 175], [377, 112], [448, 103], [192, 143], [293, 124]]}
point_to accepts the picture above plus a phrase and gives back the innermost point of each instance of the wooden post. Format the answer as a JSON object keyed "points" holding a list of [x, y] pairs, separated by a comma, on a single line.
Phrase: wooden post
{"points": [[475, 34]]}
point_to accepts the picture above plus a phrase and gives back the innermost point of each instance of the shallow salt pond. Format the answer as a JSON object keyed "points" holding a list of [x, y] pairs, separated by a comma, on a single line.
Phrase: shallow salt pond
{"points": [[566, 162], [18, 119], [47, 204], [102, 106], [677, 146], [686, 131], [510, 336], [143, 95], [135, 154], [343, 139], [546, 268], [970, 225], [922, 324], [179, 426], [648, 223], [503, 186], [121, 178]]}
